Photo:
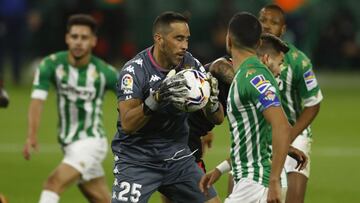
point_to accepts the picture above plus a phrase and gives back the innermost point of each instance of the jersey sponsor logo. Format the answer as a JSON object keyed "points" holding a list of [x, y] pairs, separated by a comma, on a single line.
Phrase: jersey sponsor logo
{"points": [[260, 83], [310, 80], [250, 72], [154, 78], [75, 92], [127, 82], [269, 98], [130, 69]]}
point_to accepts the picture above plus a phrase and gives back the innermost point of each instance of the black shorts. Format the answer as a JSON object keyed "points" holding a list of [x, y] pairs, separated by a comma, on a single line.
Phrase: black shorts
{"points": [[177, 180]]}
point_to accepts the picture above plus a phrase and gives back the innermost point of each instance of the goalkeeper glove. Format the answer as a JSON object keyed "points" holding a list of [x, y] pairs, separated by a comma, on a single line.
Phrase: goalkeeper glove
{"points": [[172, 89]]}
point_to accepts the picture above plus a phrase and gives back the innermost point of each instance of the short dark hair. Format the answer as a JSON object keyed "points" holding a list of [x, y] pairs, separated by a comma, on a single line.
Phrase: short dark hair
{"points": [[245, 29], [275, 7], [271, 43], [164, 20], [82, 19]]}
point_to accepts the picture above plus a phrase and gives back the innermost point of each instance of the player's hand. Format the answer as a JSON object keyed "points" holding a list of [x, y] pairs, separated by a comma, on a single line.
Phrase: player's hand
{"points": [[173, 88], [213, 103], [299, 156], [274, 193], [206, 141], [153, 100], [208, 180], [31, 145], [4, 98]]}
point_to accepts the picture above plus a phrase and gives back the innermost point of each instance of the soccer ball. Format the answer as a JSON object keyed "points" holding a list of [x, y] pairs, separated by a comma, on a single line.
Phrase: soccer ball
{"points": [[198, 90]]}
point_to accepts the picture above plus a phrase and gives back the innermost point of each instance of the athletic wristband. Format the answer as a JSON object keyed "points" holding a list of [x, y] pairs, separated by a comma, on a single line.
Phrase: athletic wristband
{"points": [[224, 167]]}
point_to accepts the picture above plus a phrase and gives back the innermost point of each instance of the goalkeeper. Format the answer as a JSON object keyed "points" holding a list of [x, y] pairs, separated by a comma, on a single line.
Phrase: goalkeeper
{"points": [[150, 146]]}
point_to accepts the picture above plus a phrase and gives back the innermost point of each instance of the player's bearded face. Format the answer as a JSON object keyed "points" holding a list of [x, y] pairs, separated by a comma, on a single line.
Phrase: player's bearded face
{"points": [[80, 41], [176, 42], [272, 22]]}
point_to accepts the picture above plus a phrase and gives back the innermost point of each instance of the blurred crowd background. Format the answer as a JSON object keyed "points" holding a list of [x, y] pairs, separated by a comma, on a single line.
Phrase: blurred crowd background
{"points": [[326, 30]]}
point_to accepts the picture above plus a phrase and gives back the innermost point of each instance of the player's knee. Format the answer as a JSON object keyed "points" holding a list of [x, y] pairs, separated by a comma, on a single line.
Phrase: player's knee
{"points": [[99, 198], [54, 184]]}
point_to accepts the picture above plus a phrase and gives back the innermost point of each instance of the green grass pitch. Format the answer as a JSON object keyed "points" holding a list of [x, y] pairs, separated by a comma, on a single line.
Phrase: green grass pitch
{"points": [[335, 155]]}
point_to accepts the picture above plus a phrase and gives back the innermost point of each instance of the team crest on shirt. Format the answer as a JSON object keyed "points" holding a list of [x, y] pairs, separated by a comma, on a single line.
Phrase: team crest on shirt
{"points": [[310, 80], [94, 74], [269, 98], [295, 55], [127, 83], [260, 83]]}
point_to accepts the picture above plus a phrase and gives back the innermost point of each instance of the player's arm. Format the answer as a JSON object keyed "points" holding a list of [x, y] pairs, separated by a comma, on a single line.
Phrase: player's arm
{"points": [[34, 115], [280, 146], [222, 70], [39, 94], [132, 115], [304, 120], [310, 94], [213, 176], [134, 112]]}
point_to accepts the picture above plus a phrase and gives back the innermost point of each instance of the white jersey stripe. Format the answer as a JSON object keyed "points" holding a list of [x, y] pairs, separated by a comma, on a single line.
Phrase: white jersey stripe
{"points": [[73, 110], [257, 131], [290, 101], [98, 112]]}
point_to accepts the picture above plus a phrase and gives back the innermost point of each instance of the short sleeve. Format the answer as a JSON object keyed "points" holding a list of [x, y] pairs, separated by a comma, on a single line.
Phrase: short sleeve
{"points": [[130, 82], [112, 76], [307, 83], [263, 91], [42, 79]]}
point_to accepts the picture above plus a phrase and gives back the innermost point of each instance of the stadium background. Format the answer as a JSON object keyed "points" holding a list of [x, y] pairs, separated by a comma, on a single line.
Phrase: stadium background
{"points": [[328, 31]]}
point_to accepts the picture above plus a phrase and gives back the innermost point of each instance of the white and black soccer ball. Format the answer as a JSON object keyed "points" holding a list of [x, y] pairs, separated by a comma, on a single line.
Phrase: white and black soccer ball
{"points": [[198, 90]]}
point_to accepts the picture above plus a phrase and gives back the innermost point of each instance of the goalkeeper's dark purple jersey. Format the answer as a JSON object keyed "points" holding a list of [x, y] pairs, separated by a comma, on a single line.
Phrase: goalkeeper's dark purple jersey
{"points": [[165, 136]]}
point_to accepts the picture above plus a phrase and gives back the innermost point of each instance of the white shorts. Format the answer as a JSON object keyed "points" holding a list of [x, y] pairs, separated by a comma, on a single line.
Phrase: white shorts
{"points": [[247, 191], [87, 156], [304, 144]]}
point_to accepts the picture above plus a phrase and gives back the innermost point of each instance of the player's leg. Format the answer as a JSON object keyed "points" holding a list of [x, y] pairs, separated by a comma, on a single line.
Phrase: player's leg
{"points": [[135, 182], [296, 188], [181, 183], [90, 154], [62, 177], [96, 190], [297, 180]]}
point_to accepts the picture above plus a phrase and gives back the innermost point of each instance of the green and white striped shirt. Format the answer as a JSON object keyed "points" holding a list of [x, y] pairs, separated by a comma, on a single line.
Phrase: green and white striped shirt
{"points": [[80, 94], [298, 85], [252, 91]]}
